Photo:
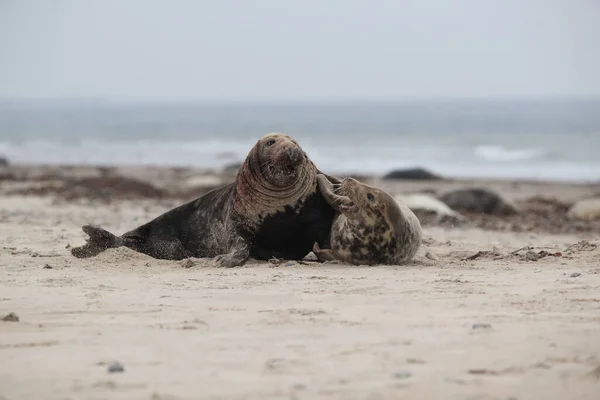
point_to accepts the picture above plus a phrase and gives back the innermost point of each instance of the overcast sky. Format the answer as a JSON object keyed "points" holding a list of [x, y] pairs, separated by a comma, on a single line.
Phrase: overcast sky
{"points": [[222, 49]]}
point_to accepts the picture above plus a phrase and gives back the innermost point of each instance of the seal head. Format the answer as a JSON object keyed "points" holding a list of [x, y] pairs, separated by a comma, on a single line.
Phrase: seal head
{"points": [[280, 159]]}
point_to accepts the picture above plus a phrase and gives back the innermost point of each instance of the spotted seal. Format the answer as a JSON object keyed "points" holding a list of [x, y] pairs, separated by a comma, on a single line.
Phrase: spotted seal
{"points": [[274, 208], [371, 227]]}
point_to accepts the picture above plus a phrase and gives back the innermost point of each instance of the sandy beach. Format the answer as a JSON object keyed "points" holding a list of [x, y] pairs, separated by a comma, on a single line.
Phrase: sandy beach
{"points": [[495, 308]]}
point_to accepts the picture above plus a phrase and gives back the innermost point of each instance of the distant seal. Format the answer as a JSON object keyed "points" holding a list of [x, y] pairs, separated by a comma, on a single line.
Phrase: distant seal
{"points": [[273, 209], [371, 227], [412, 174], [478, 200]]}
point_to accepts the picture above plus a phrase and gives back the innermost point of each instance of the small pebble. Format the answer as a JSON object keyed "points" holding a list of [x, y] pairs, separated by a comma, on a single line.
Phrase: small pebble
{"points": [[47, 266], [402, 374], [531, 256], [430, 256], [115, 367], [482, 326], [299, 386], [455, 380], [12, 317], [575, 274]]}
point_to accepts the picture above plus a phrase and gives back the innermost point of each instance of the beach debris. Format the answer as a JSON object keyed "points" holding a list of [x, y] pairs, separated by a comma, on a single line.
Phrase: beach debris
{"points": [[402, 374], [478, 200], [12, 317], [547, 206], [115, 367], [276, 261], [527, 254], [481, 326], [484, 254], [481, 371], [583, 245], [412, 174], [105, 189], [187, 263], [430, 256], [47, 266], [575, 274], [586, 209], [275, 364], [7, 176]]}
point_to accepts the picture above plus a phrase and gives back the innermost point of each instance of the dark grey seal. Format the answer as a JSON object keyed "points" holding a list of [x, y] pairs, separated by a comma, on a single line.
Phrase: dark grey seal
{"points": [[273, 209]]}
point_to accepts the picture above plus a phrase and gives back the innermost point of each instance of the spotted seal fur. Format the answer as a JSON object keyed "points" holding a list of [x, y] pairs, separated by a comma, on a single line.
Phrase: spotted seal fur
{"points": [[273, 209], [371, 227]]}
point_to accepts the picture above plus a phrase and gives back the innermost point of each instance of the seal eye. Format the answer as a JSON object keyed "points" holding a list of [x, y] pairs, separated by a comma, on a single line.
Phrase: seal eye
{"points": [[370, 197], [270, 143]]}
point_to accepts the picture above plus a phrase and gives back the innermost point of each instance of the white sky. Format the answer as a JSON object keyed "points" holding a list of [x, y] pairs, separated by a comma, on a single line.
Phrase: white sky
{"points": [[224, 49]]}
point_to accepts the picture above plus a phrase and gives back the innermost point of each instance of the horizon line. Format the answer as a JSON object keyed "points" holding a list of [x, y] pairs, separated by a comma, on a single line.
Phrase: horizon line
{"points": [[292, 100]]}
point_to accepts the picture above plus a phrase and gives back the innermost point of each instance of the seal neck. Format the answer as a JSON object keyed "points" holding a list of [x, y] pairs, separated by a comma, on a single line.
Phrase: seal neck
{"points": [[256, 194]]}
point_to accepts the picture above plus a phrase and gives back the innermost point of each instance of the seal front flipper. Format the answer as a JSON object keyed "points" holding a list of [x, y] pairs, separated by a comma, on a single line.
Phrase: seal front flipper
{"points": [[99, 240], [328, 191], [323, 254], [239, 254]]}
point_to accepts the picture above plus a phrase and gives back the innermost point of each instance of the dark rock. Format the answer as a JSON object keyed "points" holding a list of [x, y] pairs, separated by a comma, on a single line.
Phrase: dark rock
{"points": [[402, 374], [575, 274], [115, 367], [12, 317], [477, 200], [412, 174]]}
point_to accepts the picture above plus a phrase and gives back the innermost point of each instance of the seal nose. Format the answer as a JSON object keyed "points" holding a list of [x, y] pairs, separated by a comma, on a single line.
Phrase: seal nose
{"points": [[292, 154]]}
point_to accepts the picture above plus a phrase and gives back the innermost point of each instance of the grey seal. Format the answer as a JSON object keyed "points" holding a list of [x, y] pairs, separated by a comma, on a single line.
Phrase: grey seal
{"points": [[370, 227], [274, 208]]}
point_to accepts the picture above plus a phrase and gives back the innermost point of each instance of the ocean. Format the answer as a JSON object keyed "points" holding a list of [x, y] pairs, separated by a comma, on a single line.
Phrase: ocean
{"points": [[470, 139]]}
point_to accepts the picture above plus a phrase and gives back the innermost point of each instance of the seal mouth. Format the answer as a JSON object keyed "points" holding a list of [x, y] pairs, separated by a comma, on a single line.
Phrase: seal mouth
{"points": [[348, 208], [286, 170]]}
